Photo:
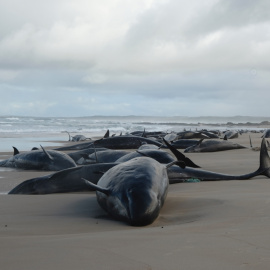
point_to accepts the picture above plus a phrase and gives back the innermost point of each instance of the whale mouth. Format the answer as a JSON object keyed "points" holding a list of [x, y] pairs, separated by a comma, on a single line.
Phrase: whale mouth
{"points": [[143, 207], [146, 220]]}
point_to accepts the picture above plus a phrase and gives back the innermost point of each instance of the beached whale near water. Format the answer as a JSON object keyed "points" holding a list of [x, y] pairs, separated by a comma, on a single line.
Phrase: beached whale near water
{"points": [[69, 180], [192, 135], [116, 142], [213, 146], [77, 138], [125, 142], [231, 134], [46, 160], [64, 181], [264, 169], [133, 191], [160, 155]]}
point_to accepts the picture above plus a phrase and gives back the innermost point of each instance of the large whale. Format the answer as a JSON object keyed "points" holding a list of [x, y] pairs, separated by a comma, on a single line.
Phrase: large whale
{"points": [[133, 191], [192, 135], [46, 160], [64, 181], [116, 142]]}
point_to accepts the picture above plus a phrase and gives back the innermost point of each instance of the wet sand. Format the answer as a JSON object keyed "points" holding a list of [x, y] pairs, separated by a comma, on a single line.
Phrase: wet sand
{"points": [[206, 225]]}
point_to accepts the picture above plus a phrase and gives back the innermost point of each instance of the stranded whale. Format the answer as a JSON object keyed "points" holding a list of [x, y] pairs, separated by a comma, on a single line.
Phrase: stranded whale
{"points": [[69, 180], [133, 191], [46, 160]]}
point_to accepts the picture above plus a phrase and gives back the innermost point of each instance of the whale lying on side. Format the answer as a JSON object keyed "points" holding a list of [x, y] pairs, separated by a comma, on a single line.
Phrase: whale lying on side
{"points": [[45, 160], [117, 142], [213, 146]]}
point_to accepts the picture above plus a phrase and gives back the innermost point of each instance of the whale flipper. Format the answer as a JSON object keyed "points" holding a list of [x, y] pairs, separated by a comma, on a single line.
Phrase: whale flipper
{"points": [[180, 156], [46, 153], [106, 191]]}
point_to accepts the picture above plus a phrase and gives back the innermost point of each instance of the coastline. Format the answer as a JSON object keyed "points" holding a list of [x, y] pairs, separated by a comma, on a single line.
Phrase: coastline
{"points": [[206, 225]]}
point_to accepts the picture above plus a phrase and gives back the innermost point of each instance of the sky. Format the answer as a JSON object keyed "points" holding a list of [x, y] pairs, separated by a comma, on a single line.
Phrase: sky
{"points": [[143, 57]]}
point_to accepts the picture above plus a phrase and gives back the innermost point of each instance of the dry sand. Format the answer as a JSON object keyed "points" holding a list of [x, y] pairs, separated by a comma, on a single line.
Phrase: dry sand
{"points": [[206, 225]]}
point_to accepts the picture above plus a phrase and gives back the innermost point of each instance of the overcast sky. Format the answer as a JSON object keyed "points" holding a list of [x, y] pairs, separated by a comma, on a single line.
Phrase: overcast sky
{"points": [[143, 57]]}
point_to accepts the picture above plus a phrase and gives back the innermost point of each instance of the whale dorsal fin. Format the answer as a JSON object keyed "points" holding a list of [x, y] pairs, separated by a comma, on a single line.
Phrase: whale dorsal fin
{"points": [[143, 134], [107, 134], [180, 156], [46, 153], [106, 191], [250, 141], [16, 151]]}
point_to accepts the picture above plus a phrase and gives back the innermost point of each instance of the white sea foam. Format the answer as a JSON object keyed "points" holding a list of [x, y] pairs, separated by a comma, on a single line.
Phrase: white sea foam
{"points": [[32, 131]]}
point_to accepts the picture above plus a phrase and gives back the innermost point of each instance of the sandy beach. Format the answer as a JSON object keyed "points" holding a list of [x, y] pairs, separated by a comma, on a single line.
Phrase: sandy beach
{"points": [[205, 225]]}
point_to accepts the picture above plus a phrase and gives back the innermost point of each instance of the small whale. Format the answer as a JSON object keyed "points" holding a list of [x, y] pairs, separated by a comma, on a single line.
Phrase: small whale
{"points": [[45, 160], [116, 142], [231, 134], [77, 138], [213, 146]]}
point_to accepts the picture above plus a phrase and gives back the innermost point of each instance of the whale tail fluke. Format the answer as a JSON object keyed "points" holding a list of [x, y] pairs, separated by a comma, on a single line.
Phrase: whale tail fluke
{"points": [[264, 168]]}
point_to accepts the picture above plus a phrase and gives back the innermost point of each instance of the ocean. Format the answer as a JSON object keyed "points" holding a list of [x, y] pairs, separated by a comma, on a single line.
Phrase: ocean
{"points": [[27, 132]]}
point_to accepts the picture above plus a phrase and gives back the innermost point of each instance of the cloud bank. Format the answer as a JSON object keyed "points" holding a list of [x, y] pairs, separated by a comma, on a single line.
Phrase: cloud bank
{"points": [[163, 57]]}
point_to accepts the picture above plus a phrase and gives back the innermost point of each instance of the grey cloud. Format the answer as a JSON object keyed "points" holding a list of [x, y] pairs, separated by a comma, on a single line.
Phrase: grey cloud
{"points": [[161, 58], [229, 14]]}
